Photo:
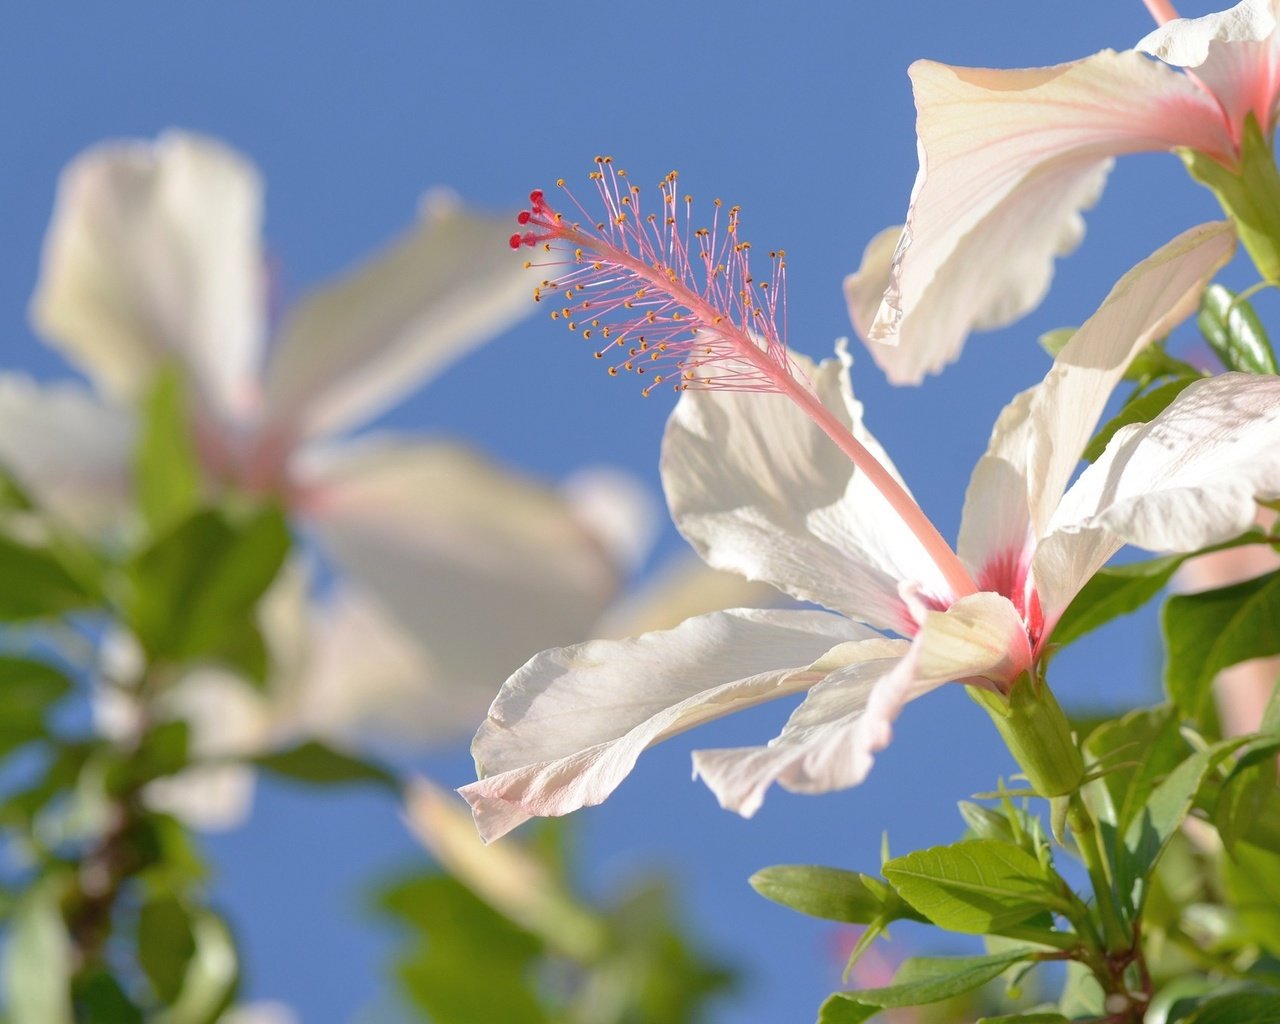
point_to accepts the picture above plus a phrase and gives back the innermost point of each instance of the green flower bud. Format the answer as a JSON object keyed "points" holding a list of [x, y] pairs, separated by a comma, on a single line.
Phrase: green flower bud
{"points": [[1037, 733]]}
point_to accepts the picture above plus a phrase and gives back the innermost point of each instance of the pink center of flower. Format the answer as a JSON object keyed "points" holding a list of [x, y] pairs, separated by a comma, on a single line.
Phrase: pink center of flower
{"points": [[1007, 574], [684, 308]]}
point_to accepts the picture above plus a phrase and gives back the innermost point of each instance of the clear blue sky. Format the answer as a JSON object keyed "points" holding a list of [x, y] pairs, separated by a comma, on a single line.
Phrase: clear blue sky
{"points": [[804, 118]]}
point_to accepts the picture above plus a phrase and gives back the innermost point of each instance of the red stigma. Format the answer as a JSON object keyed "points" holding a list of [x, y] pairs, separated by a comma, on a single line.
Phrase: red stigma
{"points": [[515, 241], [535, 197], [524, 217]]}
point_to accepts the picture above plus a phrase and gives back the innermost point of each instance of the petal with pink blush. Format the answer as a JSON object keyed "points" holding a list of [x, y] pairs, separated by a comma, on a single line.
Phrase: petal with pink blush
{"points": [[1009, 159], [831, 739], [1235, 53], [153, 254], [360, 344], [758, 489], [567, 728]]}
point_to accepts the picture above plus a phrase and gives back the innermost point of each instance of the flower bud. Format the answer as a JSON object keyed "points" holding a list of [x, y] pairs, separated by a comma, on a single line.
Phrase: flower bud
{"points": [[1037, 733]]}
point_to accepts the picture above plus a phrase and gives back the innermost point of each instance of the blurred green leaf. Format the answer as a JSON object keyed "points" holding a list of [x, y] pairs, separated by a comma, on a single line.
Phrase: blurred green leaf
{"points": [[28, 689], [318, 764], [979, 886], [58, 777], [832, 893], [164, 750], [100, 999], [166, 944], [196, 588], [1055, 341], [1026, 1018], [1253, 887], [37, 962], [1140, 749], [1234, 332], [1239, 1008], [1139, 409], [1153, 362], [167, 466], [1212, 630], [36, 584], [1113, 592], [213, 973], [457, 932], [923, 980]]}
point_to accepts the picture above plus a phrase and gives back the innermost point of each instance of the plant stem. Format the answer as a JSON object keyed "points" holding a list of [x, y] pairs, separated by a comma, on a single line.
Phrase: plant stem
{"points": [[1089, 842]]}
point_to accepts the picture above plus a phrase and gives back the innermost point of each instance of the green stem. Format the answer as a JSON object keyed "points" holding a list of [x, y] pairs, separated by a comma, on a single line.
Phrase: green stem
{"points": [[1089, 841]]}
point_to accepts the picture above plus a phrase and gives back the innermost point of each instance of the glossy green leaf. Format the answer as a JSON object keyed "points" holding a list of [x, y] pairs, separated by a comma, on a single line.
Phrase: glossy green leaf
{"points": [[1153, 362], [166, 944], [980, 886], [37, 963], [1239, 1008], [167, 466], [1140, 750], [1140, 409], [1212, 630], [196, 588], [35, 584], [831, 893], [924, 980], [317, 764], [1149, 832], [1234, 332]]}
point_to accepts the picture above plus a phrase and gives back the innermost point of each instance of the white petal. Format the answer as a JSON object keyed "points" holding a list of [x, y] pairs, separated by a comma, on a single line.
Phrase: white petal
{"points": [[1008, 161], [1234, 53], [567, 728], [69, 450], [830, 741], [1037, 440], [681, 588], [865, 287], [615, 507], [1187, 479], [482, 566], [208, 797], [153, 254], [363, 342], [758, 489]]}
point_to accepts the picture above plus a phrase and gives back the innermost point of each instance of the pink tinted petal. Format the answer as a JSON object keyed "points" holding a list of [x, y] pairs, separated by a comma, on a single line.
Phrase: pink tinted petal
{"points": [[482, 566], [1189, 478], [830, 741], [1037, 441], [567, 728], [365, 341], [153, 254], [1234, 53], [1008, 161], [758, 489]]}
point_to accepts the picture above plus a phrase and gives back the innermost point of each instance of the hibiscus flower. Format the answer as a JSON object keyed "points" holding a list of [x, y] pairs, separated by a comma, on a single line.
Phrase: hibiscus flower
{"points": [[756, 484], [1010, 158]]}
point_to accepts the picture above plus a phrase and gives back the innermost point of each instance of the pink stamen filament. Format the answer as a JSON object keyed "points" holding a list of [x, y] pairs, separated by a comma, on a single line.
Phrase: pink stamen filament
{"points": [[1162, 10], [772, 370]]}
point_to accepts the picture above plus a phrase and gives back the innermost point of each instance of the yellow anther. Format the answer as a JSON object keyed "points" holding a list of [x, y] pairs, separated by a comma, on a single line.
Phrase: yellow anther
{"points": [[613, 371], [586, 334], [559, 182], [528, 264]]}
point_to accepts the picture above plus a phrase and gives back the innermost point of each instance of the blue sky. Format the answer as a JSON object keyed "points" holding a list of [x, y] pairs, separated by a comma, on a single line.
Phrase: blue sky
{"points": [[805, 119]]}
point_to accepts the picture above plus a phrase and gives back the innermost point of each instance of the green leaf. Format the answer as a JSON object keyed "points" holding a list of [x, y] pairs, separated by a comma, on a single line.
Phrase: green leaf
{"points": [[1239, 1008], [979, 886], [831, 893], [195, 589], [317, 764], [1142, 747], [166, 944], [1139, 409], [167, 466], [1212, 630], [1056, 340], [1234, 332], [213, 973], [1149, 832], [1113, 592], [925, 980], [28, 689], [37, 963], [36, 585], [100, 999], [1245, 796], [1026, 1018], [1253, 887], [457, 931], [1153, 362]]}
